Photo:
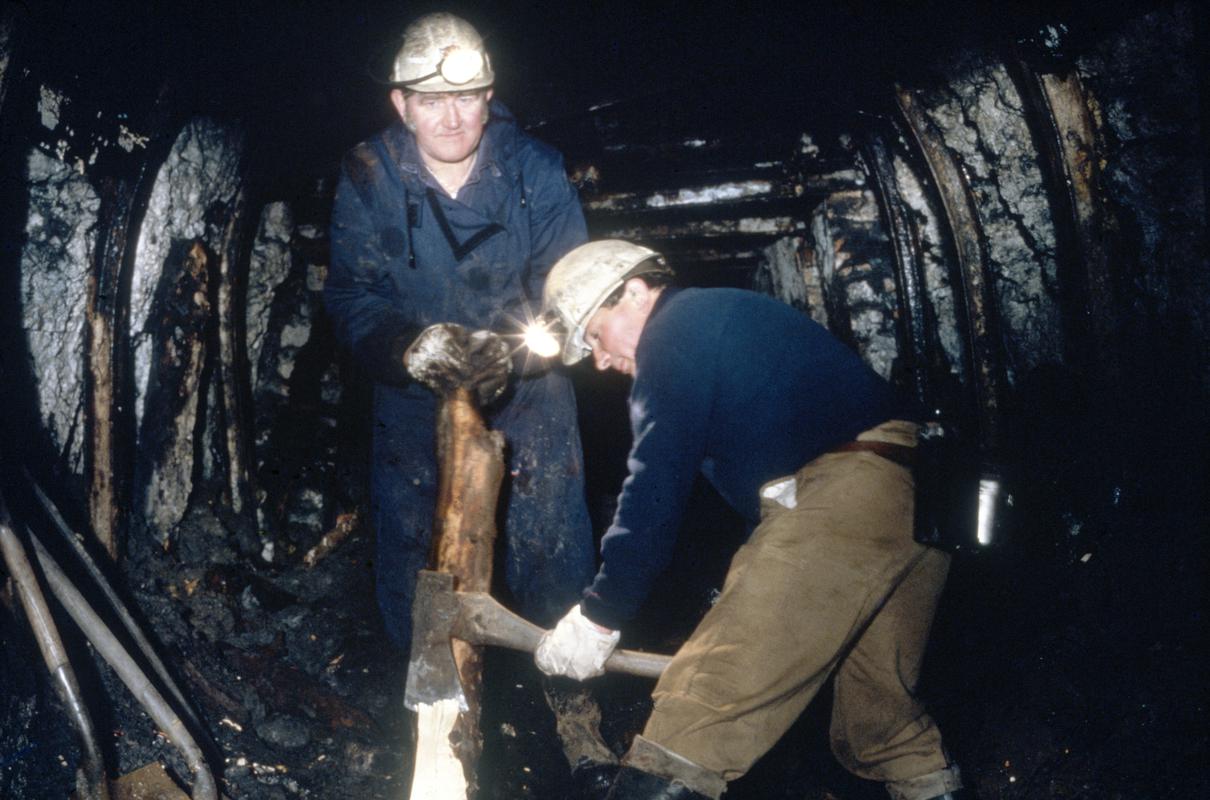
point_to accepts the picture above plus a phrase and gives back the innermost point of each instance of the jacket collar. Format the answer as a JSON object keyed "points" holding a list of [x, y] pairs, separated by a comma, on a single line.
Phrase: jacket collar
{"points": [[666, 294]]}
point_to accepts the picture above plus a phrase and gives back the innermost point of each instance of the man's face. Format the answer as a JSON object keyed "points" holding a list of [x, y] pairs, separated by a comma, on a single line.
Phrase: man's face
{"points": [[448, 125], [613, 333]]}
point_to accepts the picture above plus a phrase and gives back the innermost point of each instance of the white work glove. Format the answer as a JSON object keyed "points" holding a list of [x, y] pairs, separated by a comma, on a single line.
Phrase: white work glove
{"points": [[577, 647]]}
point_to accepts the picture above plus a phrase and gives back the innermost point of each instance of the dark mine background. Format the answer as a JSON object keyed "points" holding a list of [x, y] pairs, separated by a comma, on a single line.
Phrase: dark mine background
{"points": [[1001, 206]]}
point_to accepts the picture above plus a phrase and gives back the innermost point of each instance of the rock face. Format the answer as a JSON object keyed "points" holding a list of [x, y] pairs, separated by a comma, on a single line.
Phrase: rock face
{"points": [[1145, 83], [934, 260], [297, 394], [194, 188], [268, 267], [170, 312], [857, 274], [979, 114], [177, 346], [784, 274], [55, 265]]}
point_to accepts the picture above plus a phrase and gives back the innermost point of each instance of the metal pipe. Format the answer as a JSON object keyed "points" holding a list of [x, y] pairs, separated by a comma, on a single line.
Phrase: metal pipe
{"points": [[90, 779], [128, 671], [119, 608]]}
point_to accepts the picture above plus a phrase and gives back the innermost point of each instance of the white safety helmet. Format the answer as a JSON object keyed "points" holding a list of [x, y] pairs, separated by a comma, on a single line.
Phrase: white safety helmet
{"points": [[442, 53], [582, 280]]}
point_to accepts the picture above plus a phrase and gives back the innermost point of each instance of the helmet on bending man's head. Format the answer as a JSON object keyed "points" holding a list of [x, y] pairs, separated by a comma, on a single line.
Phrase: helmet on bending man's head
{"points": [[442, 53], [582, 280]]}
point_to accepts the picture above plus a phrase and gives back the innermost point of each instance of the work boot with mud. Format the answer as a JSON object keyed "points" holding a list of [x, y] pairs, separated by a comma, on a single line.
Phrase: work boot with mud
{"points": [[942, 784], [652, 772], [578, 722], [634, 784]]}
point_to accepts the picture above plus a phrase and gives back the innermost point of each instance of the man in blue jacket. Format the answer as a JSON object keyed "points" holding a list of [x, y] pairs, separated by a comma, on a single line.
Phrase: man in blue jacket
{"points": [[814, 450], [443, 224]]}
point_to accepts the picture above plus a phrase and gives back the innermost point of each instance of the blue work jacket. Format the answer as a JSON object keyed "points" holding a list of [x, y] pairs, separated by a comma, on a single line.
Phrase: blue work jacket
{"points": [[741, 388], [405, 255]]}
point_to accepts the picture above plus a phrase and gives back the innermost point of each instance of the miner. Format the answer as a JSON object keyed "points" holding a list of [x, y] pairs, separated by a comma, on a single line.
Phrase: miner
{"points": [[443, 230], [814, 450]]}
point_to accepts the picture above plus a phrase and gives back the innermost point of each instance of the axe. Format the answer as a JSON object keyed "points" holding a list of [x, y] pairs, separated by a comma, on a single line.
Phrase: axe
{"points": [[445, 670], [440, 615]]}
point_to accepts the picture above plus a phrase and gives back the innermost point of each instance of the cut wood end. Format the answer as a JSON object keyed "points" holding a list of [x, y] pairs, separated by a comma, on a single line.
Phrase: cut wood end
{"points": [[438, 773]]}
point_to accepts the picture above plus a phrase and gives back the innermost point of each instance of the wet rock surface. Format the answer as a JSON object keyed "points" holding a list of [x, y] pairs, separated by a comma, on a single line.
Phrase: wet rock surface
{"points": [[192, 190], [287, 663], [54, 270], [980, 117]]}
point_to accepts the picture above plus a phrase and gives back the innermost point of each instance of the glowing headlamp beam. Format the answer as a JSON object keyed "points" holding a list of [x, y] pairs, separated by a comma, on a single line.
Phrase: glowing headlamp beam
{"points": [[540, 341], [457, 66], [537, 338]]}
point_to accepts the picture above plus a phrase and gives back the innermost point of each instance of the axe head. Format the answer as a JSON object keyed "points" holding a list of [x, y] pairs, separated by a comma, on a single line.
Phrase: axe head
{"points": [[432, 673]]}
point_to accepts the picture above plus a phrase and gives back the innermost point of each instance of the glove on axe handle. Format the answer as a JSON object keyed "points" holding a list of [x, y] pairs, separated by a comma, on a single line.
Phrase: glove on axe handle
{"points": [[482, 620]]}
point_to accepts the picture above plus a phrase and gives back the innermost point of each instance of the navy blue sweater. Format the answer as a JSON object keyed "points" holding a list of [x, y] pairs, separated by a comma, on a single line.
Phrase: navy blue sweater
{"points": [[740, 387]]}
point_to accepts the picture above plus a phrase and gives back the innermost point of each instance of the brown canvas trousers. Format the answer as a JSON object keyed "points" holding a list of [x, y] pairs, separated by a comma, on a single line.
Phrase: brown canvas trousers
{"points": [[835, 584]]}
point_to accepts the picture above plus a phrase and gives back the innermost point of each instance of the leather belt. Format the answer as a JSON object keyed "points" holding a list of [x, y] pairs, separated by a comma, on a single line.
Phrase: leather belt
{"points": [[901, 454]]}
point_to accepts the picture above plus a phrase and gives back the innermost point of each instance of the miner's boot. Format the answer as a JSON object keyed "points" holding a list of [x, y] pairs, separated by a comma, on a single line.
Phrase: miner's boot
{"points": [[634, 784], [943, 784], [578, 722], [651, 772]]}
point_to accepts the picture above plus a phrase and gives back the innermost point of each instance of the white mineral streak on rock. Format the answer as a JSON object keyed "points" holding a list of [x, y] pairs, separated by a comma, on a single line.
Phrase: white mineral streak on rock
{"points": [[711, 194], [50, 101], [781, 273]]}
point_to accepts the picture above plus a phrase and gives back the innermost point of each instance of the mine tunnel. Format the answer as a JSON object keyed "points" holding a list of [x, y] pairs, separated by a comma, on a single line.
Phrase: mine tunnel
{"points": [[999, 207]]}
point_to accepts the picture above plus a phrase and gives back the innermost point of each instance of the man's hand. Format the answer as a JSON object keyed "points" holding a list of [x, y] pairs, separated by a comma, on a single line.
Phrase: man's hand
{"points": [[488, 358], [577, 647], [446, 356]]}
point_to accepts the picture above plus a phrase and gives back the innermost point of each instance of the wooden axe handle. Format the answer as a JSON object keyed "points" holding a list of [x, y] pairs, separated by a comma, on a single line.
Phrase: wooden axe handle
{"points": [[482, 620]]}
